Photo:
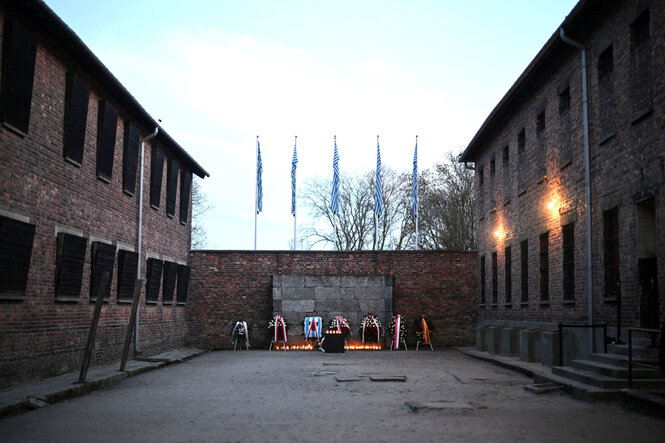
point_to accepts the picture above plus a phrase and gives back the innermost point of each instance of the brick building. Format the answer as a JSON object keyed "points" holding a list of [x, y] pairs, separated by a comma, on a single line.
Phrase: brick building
{"points": [[531, 182], [71, 197]]}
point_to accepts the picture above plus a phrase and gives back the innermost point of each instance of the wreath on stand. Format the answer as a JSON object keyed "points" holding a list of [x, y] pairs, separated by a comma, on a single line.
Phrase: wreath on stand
{"points": [[240, 332], [423, 327], [402, 331], [280, 331], [339, 323], [370, 329]]}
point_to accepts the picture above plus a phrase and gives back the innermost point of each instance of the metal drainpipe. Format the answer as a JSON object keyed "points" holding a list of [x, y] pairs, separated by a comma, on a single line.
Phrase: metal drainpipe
{"points": [[139, 235], [587, 179]]}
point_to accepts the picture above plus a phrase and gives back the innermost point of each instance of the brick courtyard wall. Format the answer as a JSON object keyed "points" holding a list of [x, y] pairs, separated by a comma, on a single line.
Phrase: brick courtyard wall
{"points": [[39, 335], [228, 286]]}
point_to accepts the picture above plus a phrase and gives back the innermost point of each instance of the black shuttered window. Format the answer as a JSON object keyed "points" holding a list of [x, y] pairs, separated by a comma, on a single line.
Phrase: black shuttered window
{"points": [[16, 239], [156, 170], [171, 186], [19, 49], [127, 269], [106, 128], [130, 158], [183, 284], [170, 274], [154, 279], [102, 259], [70, 258], [76, 115], [185, 192]]}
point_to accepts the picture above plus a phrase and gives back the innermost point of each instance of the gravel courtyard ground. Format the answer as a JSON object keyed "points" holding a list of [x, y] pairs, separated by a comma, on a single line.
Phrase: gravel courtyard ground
{"points": [[311, 396]]}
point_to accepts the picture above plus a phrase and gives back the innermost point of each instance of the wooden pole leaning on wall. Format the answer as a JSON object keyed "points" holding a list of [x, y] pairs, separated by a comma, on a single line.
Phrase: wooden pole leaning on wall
{"points": [[130, 327], [101, 290]]}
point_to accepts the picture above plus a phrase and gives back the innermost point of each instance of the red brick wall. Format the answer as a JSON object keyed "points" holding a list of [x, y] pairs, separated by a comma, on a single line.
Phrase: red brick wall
{"points": [[40, 336], [227, 286], [625, 168]]}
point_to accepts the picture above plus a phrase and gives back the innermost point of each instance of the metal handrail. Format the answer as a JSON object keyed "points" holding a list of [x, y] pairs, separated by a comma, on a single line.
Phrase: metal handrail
{"points": [[593, 325], [653, 332]]}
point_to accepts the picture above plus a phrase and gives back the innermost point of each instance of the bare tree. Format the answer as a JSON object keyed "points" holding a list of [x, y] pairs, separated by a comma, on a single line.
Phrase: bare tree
{"points": [[446, 210], [355, 220], [200, 205], [447, 207]]}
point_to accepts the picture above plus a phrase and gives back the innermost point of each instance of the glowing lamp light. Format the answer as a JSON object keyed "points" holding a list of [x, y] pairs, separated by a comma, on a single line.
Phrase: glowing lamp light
{"points": [[551, 205]]}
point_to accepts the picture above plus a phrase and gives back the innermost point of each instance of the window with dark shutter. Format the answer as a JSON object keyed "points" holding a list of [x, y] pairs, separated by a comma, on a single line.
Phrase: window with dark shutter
{"points": [[185, 192], [19, 48], [130, 158], [172, 172], [508, 271], [127, 269], [77, 93], [482, 280], [102, 259], [524, 270], [495, 280], [183, 284], [569, 262], [156, 170], [544, 266], [611, 253], [70, 258], [107, 124], [153, 279], [16, 239], [170, 274]]}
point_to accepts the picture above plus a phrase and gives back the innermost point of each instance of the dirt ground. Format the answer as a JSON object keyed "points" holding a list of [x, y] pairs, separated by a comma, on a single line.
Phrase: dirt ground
{"points": [[302, 396]]}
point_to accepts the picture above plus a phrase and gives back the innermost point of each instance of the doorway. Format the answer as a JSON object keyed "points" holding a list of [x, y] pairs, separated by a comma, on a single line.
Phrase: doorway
{"points": [[647, 264]]}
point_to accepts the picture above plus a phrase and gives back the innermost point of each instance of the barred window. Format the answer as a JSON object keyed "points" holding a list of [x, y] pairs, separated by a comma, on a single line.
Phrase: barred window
{"points": [[524, 270], [569, 262], [544, 266], [508, 270]]}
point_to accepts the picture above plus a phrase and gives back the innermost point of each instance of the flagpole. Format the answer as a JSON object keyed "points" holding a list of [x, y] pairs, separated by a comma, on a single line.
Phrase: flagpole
{"points": [[256, 191], [415, 171], [334, 194], [295, 206]]}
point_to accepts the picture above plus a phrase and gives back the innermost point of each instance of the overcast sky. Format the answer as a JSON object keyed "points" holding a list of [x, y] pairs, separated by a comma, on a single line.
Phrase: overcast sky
{"points": [[220, 72]]}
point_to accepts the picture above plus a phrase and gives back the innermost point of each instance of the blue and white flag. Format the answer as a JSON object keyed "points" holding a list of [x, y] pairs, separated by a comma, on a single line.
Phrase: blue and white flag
{"points": [[378, 201], [294, 162], [415, 179], [334, 197], [259, 183]]}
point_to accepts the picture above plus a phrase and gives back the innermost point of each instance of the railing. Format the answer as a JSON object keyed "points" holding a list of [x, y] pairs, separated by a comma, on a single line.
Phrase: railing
{"points": [[598, 325], [653, 333]]}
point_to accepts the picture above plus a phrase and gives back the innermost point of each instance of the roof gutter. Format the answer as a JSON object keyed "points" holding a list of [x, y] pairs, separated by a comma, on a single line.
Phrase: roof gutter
{"points": [[587, 179]]}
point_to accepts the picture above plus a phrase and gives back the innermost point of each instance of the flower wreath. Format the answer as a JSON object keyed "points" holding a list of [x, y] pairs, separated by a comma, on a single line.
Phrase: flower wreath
{"points": [[339, 323], [423, 327], [402, 331], [238, 331], [370, 327], [281, 330]]}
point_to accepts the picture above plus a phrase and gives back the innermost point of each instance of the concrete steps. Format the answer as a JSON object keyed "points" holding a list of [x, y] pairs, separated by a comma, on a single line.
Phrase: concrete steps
{"points": [[610, 371]]}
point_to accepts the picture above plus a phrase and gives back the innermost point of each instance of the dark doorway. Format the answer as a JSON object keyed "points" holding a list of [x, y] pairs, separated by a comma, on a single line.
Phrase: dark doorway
{"points": [[647, 264]]}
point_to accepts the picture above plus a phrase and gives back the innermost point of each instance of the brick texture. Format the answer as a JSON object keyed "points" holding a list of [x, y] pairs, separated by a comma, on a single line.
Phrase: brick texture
{"points": [[228, 286], [40, 336], [627, 165]]}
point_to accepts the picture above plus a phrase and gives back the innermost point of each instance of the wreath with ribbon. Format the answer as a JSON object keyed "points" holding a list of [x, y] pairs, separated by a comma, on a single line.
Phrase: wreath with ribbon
{"points": [[370, 328], [401, 336], [423, 327], [240, 332], [339, 323], [278, 328]]}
